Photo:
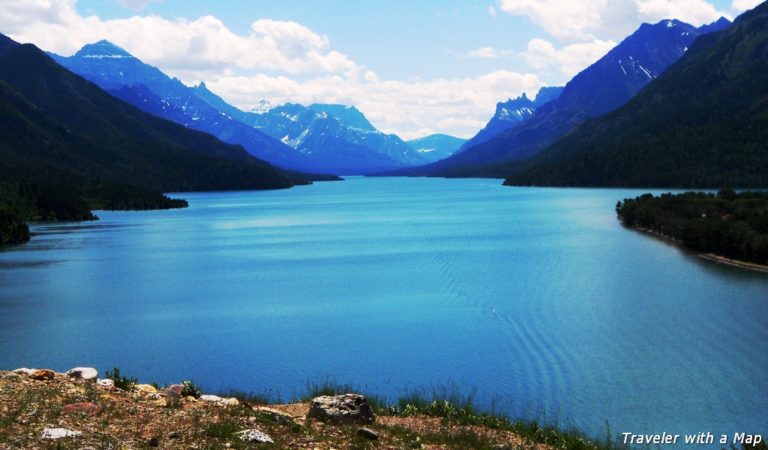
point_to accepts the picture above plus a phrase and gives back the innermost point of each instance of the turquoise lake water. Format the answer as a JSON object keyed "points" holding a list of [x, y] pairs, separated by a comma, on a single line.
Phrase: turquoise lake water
{"points": [[537, 301]]}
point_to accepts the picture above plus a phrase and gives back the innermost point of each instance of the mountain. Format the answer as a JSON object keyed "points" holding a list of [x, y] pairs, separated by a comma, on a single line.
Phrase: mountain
{"points": [[703, 123], [512, 112], [436, 146], [329, 138], [146, 87], [348, 115], [602, 87], [335, 138], [66, 146]]}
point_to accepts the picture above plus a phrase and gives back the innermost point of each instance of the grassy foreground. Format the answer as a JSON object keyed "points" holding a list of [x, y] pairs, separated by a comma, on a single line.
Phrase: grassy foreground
{"points": [[137, 416]]}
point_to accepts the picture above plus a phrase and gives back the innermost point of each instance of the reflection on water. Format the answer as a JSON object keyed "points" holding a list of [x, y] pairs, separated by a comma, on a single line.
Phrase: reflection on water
{"points": [[535, 299]]}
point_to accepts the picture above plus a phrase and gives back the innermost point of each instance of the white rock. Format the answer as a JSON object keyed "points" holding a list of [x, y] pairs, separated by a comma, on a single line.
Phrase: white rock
{"points": [[275, 414], [106, 383], [58, 433], [346, 408], [211, 398], [254, 435], [84, 373], [231, 401], [24, 371]]}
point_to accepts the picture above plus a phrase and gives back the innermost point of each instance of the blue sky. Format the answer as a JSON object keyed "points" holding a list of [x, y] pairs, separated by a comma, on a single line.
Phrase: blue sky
{"points": [[398, 40], [413, 67]]}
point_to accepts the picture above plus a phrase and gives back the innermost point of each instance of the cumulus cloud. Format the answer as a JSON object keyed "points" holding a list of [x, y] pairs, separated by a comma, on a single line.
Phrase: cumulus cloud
{"points": [[585, 20], [410, 109], [568, 60], [695, 12], [587, 29], [743, 5], [487, 53], [195, 48], [280, 61]]}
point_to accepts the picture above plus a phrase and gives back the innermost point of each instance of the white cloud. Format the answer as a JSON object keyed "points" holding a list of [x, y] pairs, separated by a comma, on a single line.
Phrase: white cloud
{"points": [[136, 5], [585, 20], [564, 19], [487, 53], [410, 109], [587, 29], [568, 60], [194, 48], [695, 12], [492, 11], [742, 5], [279, 61]]}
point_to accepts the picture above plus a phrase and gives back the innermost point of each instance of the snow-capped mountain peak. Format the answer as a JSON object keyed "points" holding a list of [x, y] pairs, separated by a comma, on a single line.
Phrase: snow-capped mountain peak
{"points": [[262, 107], [101, 50]]}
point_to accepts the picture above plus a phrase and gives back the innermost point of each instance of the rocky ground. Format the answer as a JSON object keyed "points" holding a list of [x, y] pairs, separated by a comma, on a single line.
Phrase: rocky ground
{"points": [[41, 409]]}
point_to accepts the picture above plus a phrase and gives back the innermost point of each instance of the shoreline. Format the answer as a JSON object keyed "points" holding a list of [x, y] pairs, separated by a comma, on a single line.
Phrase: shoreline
{"points": [[746, 265], [42, 408], [711, 257]]}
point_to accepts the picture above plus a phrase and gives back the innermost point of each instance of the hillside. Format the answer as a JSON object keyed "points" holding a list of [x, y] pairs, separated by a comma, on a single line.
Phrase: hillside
{"points": [[512, 112], [149, 89], [40, 408], [602, 87], [320, 138], [703, 123], [66, 147]]}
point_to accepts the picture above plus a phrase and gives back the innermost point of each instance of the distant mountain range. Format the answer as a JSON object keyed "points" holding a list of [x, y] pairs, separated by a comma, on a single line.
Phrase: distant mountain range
{"points": [[335, 138], [602, 87], [703, 123], [146, 87], [318, 138], [66, 146], [436, 146], [512, 112]]}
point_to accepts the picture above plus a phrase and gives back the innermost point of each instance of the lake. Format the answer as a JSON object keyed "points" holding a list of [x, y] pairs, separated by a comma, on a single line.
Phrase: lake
{"points": [[536, 301]]}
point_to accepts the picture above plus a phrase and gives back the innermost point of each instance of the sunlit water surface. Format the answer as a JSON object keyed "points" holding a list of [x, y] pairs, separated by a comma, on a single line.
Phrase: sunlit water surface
{"points": [[536, 301]]}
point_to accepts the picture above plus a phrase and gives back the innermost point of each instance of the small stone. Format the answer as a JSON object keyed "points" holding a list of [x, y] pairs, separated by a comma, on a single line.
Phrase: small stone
{"points": [[174, 435], [85, 408], [172, 397], [275, 414], [145, 389], [42, 374], [83, 373], [105, 383], [24, 371], [254, 435], [368, 433], [231, 402], [211, 398], [58, 433], [345, 408], [176, 388]]}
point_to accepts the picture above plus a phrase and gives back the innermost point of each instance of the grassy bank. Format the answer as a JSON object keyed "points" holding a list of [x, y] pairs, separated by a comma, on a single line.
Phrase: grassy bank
{"points": [[144, 416]]}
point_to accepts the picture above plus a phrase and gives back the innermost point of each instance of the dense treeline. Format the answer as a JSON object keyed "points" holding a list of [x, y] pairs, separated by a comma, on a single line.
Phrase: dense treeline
{"points": [[67, 200], [727, 224]]}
